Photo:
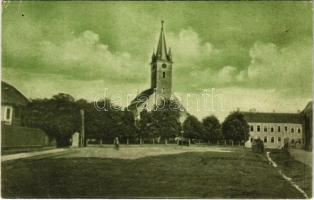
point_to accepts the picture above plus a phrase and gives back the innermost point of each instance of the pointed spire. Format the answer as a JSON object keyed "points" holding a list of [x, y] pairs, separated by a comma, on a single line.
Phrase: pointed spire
{"points": [[153, 56], [169, 55], [161, 48]]}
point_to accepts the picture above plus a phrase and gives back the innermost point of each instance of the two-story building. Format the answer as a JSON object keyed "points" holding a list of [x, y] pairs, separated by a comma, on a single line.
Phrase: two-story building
{"points": [[275, 129]]}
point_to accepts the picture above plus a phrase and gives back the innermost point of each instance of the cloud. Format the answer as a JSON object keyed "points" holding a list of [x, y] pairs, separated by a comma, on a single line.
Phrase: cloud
{"points": [[227, 74], [85, 57], [287, 68], [189, 50]]}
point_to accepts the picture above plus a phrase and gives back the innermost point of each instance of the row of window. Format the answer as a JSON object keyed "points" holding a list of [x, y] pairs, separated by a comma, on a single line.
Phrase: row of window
{"points": [[258, 129], [272, 140]]}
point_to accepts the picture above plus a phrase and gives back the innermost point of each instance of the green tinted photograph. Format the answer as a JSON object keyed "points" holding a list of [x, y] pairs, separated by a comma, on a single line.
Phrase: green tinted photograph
{"points": [[156, 99]]}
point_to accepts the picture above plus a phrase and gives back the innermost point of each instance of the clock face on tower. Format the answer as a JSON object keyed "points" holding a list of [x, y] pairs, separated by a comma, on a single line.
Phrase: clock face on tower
{"points": [[164, 65]]}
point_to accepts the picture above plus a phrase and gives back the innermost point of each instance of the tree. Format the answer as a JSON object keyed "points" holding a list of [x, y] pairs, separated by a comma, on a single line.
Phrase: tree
{"points": [[145, 124], [108, 120], [126, 125], [166, 120], [235, 127], [212, 129], [192, 128], [59, 117]]}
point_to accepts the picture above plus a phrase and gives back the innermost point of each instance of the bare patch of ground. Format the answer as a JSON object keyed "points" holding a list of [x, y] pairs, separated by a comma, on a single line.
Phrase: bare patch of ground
{"points": [[138, 151]]}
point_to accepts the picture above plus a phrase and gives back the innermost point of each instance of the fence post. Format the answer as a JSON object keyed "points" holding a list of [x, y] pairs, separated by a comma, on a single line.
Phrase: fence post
{"points": [[83, 144], [127, 141]]}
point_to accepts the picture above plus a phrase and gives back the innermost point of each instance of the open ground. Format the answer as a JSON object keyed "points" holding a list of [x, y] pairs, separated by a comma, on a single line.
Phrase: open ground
{"points": [[153, 171]]}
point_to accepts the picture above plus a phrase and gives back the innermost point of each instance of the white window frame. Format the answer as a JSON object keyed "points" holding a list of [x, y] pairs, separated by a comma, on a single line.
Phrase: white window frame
{"points": [[6, 120]]}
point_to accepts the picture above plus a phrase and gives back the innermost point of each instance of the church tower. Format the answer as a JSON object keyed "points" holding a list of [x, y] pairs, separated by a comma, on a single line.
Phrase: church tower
{"points": [[161, 67], [161, 81]]}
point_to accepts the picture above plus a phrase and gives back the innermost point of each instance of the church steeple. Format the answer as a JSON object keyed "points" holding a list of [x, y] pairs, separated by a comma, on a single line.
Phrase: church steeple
{"points": [[161, 67], [162, 48]]}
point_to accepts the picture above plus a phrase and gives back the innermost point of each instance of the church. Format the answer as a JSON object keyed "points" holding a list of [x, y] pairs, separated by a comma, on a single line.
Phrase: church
{"points": [[161, 80]]}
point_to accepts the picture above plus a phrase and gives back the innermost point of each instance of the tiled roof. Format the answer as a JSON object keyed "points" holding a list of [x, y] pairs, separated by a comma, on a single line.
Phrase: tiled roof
{"points": [[10, 95], [145, 95], [140, 98], [260, 117]]}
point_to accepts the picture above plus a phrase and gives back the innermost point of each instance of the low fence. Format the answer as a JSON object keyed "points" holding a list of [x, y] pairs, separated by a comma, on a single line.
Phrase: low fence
{"points": [[22, 137], [93, 141]]}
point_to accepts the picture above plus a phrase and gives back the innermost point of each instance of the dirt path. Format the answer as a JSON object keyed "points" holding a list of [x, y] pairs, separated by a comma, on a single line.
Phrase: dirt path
{"points": [[135, 152], [274, 164], [32, 154]]}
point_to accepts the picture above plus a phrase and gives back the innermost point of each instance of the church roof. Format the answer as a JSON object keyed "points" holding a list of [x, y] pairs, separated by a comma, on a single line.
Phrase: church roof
{"points": [[10, 95], [144, 97], [140, 99], [260, 117]]}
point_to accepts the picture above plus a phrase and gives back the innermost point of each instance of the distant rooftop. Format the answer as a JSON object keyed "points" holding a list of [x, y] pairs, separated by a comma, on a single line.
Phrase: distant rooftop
{"points": [[260, 117]]}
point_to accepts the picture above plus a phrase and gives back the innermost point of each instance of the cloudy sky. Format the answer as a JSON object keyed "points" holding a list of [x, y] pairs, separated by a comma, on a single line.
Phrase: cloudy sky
{"points": [[251, 54]]}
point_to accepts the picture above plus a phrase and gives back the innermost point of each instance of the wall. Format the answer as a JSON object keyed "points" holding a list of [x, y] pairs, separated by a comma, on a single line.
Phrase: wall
{"points": [[276, 134], [17, 136], [15, 117], [164, 84], [5, 116], [302, 156]]}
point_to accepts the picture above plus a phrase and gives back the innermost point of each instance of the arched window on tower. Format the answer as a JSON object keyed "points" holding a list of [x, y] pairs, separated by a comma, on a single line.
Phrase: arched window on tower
{"points": [[164, 74]]}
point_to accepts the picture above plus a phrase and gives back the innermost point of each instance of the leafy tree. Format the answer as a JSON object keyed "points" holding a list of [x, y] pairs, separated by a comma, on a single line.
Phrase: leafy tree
{"points": [[96, 120], [126, 124], [235, 127], [166, 120], [107, 120], [145, 124], [59, 117], [212, 129], [192, 128]]}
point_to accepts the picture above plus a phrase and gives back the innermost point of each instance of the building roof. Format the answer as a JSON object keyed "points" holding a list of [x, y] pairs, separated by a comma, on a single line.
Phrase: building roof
{"points": [[144, 96], [308, 110], [141, 98], [260, 117], [10, 95]]}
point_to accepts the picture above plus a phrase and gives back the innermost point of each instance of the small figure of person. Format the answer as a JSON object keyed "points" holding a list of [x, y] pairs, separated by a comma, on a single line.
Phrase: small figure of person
{"points": [[116, 143]]}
